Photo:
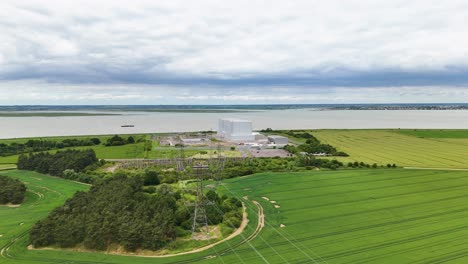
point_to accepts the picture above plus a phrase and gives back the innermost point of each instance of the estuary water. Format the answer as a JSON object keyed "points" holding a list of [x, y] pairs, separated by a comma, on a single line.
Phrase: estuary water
{"points": [[154, 122]]}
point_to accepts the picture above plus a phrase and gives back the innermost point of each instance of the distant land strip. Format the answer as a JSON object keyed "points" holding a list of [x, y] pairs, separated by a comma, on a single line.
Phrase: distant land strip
{"points": [[220, 108], [47, 114]]}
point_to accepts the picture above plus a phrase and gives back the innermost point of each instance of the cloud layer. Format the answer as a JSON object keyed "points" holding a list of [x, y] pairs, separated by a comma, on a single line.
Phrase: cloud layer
{"points": [[219, 49]]}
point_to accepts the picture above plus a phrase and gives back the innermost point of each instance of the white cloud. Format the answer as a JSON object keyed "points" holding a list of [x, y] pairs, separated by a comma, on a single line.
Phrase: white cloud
{"points": [[74, 43], [213, 38]]}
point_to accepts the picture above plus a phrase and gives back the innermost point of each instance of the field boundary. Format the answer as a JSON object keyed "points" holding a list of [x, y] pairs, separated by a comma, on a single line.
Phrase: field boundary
{"points": [[427, 168]]}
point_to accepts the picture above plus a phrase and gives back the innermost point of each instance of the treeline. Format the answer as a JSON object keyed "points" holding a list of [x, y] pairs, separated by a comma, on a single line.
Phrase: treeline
{"points": [[118, 211], [119, 141], [11, 190], [36, 145], [312, 145], [56, 164], [299, 163]]}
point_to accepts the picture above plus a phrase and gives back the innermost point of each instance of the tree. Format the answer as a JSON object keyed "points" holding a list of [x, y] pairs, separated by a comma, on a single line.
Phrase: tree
{"points": [[56, 164], [95, 141], [11, 190], [151, 177]]}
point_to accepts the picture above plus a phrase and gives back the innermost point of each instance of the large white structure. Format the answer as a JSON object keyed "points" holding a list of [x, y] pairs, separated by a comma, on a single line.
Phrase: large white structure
{"points": [[235, 129]]}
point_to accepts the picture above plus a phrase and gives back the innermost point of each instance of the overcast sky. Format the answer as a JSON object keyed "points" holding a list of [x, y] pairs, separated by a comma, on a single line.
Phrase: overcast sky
{"points": [[233, 52]]}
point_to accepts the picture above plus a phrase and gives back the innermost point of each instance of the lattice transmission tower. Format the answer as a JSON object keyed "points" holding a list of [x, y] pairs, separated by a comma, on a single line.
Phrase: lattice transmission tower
{"points": [[200, 219]]}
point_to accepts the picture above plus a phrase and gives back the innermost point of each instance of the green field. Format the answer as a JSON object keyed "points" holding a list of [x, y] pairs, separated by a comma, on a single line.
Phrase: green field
{"points": [[347, 216], [129, 151], [444, 149], [434, 133]]}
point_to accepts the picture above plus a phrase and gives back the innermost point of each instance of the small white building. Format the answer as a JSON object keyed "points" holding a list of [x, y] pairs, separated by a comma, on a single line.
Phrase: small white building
{"points": [[278, 140], [235, 129], [192, 140]]}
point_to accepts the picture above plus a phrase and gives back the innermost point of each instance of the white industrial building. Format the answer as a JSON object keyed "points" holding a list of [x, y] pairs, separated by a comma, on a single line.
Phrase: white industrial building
{"points": [[235, 129]]}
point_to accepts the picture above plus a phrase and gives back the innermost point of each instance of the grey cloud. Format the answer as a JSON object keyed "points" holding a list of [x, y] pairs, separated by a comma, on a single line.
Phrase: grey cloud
{"points": [[289, 48]]}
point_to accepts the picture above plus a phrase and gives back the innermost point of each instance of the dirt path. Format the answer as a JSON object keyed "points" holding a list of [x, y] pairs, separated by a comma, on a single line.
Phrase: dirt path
{"points": [[261, 222]]}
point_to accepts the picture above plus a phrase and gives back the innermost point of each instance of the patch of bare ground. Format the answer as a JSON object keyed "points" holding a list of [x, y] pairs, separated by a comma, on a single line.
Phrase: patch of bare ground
{"points": [[277, 206], [213, 233], [265, 198], [113, 168], [11, 205]]}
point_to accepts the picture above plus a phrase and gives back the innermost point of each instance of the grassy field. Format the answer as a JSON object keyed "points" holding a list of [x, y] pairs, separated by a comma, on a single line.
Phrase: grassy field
{"points": [[44, 193], [434, 133], [348, 216], [129, 151], [438, 149]]}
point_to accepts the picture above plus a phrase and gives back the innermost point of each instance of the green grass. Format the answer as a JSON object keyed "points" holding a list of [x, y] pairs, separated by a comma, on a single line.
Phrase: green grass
{"points": [[347, 216], [128, 151], [390, 146], [432, 133], [44, 193], [361, 216]]}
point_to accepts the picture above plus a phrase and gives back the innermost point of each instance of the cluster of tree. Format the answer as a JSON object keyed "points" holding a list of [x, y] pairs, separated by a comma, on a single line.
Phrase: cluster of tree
{"points": [[312, 145], [56, 164], [11, 190], [267, 130], [300, 162], [35, 145], [120, 141], [118, 211], [310, 161], [366, 165], [234, 169]]}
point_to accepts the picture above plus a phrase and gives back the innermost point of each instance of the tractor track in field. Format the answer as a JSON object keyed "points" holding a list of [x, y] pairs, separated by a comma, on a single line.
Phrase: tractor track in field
{"points": [[5, 248]]}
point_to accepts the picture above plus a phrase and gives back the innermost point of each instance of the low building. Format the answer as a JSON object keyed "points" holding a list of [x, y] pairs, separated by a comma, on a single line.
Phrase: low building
{"points": [[278, 140], [192, 140]]}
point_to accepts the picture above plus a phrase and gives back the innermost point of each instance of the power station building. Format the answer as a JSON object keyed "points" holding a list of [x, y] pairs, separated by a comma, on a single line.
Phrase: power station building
{"points": [[235, 129]]}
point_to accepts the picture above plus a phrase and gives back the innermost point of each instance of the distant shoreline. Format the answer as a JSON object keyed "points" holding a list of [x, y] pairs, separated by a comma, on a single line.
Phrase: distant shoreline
{"points": [[50, 114], [71, 110]]}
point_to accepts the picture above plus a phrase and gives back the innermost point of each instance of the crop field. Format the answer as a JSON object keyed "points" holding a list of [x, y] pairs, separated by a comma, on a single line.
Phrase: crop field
{"points": [[430, 149], [347, 216], [435, 133]]}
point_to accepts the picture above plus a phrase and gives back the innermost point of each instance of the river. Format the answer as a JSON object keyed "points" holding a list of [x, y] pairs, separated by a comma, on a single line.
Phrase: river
{"points": [[153, 122]]}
